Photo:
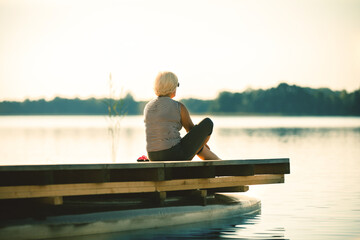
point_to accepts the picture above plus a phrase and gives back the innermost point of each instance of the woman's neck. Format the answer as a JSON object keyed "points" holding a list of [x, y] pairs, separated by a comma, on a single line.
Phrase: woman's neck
{"points": [[171, 95]]}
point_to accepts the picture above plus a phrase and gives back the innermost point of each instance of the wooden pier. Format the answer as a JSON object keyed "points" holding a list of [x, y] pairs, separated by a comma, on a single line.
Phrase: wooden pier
{"points": [[51, 183], [51, 201]]}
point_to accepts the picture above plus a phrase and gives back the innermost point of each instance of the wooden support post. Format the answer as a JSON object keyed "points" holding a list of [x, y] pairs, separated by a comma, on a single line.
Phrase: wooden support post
{"points": [[51, 200], [203, 195], [196, 196], [160, 198]]}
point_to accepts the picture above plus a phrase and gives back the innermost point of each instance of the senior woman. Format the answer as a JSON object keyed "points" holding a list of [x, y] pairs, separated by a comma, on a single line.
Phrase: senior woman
{"points": [[164, 118]]}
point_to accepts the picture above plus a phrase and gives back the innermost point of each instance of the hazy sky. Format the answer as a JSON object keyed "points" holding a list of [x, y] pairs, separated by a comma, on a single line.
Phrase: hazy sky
{"points": [[67, 48]]}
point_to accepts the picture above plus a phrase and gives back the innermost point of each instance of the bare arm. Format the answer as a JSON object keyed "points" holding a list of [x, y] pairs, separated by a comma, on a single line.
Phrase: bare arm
{"points": [[185, 118]]}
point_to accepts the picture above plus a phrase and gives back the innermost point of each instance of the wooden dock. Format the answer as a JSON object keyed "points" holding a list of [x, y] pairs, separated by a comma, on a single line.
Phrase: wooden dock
{"points": [[51, 201], [51, 183]]}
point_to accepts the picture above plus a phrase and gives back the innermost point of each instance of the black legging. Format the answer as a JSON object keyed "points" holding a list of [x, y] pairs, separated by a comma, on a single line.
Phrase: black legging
{"points": [[189, 145]]}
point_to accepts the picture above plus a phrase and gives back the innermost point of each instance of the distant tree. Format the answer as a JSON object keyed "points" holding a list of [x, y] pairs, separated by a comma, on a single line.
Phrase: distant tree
{"points": [[224, 103], [196, 105], [284, 99]]}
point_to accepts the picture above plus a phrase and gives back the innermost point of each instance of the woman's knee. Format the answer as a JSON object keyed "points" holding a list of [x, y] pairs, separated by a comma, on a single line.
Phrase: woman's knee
{"points": [[208, 124]]}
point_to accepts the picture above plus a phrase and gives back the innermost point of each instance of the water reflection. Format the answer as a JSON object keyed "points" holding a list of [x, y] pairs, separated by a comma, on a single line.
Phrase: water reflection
{"points": [[282, 132], [319, 200], [247, 227]]}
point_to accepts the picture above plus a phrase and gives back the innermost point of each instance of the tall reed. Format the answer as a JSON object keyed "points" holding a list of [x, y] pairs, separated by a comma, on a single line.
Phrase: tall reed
{"points": [[115, 107]]}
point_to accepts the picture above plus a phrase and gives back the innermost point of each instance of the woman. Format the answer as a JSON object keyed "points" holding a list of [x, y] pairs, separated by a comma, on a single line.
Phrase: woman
{"points": [[164, 118]]}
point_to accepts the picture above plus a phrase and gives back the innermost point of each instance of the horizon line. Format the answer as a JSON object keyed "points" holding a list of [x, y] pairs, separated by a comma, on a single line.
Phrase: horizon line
{"points": [[186, 97]]}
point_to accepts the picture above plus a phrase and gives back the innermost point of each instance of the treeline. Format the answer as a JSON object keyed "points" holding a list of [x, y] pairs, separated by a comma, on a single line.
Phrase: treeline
{"points": [[282, 100], [63, 106]]}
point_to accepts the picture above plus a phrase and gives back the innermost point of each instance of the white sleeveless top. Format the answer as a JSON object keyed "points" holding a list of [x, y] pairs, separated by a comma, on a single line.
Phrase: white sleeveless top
{"points": [[162, 124]]}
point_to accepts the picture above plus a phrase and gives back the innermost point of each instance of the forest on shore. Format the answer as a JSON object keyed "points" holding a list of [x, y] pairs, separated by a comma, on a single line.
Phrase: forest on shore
{"points": [[281, 100]]}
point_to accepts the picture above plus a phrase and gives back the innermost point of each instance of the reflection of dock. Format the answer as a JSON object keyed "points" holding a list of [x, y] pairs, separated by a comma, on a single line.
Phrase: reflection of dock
{"points": [[43, 191]]}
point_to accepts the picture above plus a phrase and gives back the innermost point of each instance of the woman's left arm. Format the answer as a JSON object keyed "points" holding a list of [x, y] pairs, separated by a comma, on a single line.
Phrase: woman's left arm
{"points": [[185, 118]]}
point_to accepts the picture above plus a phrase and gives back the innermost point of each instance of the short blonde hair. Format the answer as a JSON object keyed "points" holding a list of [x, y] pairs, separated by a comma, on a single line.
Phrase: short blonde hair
{"points": [[165, 83]]}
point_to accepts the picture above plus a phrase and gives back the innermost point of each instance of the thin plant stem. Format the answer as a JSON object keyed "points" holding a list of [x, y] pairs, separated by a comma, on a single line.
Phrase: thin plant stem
{"points": [[115, 114]]}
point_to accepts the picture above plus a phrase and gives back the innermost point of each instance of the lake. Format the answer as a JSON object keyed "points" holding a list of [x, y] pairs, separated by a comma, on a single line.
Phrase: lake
{"points": [[320, 199]]}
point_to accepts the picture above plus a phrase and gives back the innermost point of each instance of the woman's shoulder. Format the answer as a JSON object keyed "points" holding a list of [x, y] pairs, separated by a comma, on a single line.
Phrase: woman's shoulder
{"points": [[164, 101], [170, 102], [177, 103], [149, 102], [149, 105], [167, 100]]}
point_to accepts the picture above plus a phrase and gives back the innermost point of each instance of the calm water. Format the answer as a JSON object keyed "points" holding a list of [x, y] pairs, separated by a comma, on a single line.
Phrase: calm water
{"points": [[319, 200]]}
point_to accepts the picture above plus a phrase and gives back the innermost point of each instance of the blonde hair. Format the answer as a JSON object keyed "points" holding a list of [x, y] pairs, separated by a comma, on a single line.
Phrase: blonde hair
{"points": [[165, 83]]}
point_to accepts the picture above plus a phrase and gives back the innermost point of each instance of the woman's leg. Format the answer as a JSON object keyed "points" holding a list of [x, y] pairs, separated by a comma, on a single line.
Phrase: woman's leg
{"points": [[207, 154], [195, 141]]}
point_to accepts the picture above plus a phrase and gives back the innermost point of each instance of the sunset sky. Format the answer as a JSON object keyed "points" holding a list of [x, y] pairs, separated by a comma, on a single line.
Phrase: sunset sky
{"points": [[67, 48]]}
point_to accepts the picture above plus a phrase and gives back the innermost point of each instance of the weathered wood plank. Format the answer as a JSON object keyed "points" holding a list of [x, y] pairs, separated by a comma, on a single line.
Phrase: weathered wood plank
{"points": [[189, 172], [80, 176], [230, 189], [149, 174], [163, 164], [13, 178], [152, 171], [134, 187], [68, 167], [188, 184], [234, 170], [75, 189], [224, 162], [275, 168]]}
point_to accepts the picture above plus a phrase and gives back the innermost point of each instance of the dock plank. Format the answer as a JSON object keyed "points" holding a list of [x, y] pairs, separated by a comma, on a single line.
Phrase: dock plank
{"points": [[59, 190], [163, 164], [149, 171], [57, 181]]}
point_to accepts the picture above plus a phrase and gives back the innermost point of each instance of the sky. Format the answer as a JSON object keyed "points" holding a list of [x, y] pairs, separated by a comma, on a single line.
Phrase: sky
{"points": [[67, 48]]}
